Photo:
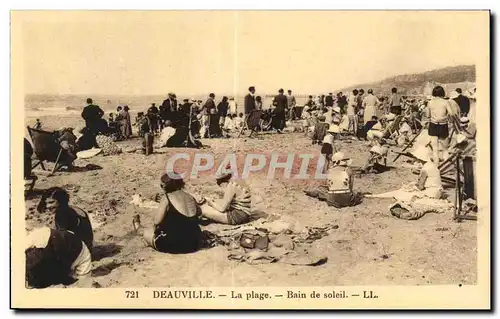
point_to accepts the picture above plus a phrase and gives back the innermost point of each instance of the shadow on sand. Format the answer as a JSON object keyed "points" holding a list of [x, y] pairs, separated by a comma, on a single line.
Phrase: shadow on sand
{"points": [[106, 250]]}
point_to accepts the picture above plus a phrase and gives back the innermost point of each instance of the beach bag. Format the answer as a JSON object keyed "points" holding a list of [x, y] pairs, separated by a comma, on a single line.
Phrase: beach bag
{"points": [[254, 240]]}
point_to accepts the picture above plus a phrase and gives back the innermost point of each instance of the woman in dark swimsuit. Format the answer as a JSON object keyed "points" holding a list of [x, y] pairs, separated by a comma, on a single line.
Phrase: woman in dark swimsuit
{"points": [[176, 228]]}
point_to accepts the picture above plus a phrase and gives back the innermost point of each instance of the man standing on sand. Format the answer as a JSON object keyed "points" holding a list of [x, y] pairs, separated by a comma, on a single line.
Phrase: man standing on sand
{"points": [[437, 111], [92, 115], [329, 100], [280, 103], [342, 102], [167, 108], [249, 104], [370, 104], [395, 102], [152, 115], [233, 106], [291, 104], [463, 102], [351, 112]]}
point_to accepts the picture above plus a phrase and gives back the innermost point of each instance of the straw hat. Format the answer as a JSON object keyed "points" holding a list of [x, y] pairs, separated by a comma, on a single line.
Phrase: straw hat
{"points": [[340, 159], [336, 109], [464, 120]]}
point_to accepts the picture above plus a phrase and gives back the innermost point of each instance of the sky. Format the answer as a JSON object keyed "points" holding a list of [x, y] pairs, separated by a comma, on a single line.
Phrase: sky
{"points": [[197, 52]]}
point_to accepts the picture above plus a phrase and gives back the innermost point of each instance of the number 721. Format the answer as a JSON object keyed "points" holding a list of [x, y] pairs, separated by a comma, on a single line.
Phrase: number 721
{"points": [[131, 294]]}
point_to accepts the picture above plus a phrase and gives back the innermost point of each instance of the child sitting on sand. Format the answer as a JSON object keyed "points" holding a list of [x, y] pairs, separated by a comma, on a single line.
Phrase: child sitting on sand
{"points": [[238, 121], [228, 123]]}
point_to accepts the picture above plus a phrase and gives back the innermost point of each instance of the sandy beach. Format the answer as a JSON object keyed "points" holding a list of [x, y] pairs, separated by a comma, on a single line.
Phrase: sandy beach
{"points": [[369, 247]]}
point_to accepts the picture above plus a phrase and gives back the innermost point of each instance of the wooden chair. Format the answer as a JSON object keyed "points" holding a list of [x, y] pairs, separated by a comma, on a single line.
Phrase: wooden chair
{"points": [[46, 149], [394, 127]]}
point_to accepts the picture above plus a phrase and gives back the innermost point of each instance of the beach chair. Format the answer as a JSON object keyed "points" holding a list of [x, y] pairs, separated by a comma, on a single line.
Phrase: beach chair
{"points": [[394, 127], [46, 149]]}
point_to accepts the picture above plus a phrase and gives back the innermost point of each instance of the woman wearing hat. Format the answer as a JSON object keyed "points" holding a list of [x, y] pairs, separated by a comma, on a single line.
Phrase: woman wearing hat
{"points": [[176, 228], [235, 206]]}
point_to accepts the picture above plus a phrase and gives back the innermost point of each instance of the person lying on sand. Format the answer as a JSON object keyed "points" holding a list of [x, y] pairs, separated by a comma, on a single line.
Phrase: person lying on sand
{"points": [[54, 257], [175, 228], [428, 185], [235, 206], [55, 201]]}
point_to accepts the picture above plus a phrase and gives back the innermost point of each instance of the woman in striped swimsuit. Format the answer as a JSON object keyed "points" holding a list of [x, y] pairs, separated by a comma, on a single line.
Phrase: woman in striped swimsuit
{"points": [[234, 208]]}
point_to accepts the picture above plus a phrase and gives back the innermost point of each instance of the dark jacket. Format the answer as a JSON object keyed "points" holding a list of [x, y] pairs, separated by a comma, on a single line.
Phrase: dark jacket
{"points": [[281, 103], [249, 104], [92, 112], [209, 105], [463, 102], [168, 106], [222, 108], [329, 100]]}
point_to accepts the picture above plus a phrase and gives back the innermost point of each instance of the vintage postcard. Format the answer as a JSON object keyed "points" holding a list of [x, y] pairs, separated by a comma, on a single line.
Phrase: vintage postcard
{"points": [[250, 159]]}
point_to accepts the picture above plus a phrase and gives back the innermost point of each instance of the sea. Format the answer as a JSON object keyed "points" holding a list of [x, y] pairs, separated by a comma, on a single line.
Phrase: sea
{"points": [[38, 105]]}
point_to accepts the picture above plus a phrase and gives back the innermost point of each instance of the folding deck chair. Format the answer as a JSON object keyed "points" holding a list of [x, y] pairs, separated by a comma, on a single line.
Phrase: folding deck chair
{"points": [[46, 149]]}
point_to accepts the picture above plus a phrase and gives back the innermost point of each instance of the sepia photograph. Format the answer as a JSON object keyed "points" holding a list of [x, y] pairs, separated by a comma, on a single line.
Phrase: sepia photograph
{"points": [[266, 157]]}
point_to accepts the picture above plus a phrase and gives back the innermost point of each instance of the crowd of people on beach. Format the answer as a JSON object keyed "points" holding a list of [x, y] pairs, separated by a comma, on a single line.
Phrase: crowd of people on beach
{"points": [[62, 252]]}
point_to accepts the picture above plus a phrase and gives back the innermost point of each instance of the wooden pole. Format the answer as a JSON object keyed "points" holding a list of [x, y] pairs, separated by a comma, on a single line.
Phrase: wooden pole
{"points": [[458, 203], [57, 161]]}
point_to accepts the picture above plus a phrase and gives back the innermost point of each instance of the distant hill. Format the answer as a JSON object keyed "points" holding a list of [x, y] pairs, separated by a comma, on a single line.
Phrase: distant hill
{"points": [[464, 75]]}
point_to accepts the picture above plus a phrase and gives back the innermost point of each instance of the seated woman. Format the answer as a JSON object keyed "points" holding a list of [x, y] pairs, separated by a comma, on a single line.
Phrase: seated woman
{"points": [[67, 140], [175, 228], [55, 201], [235, 207], [429, 181], [54, 257]]}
